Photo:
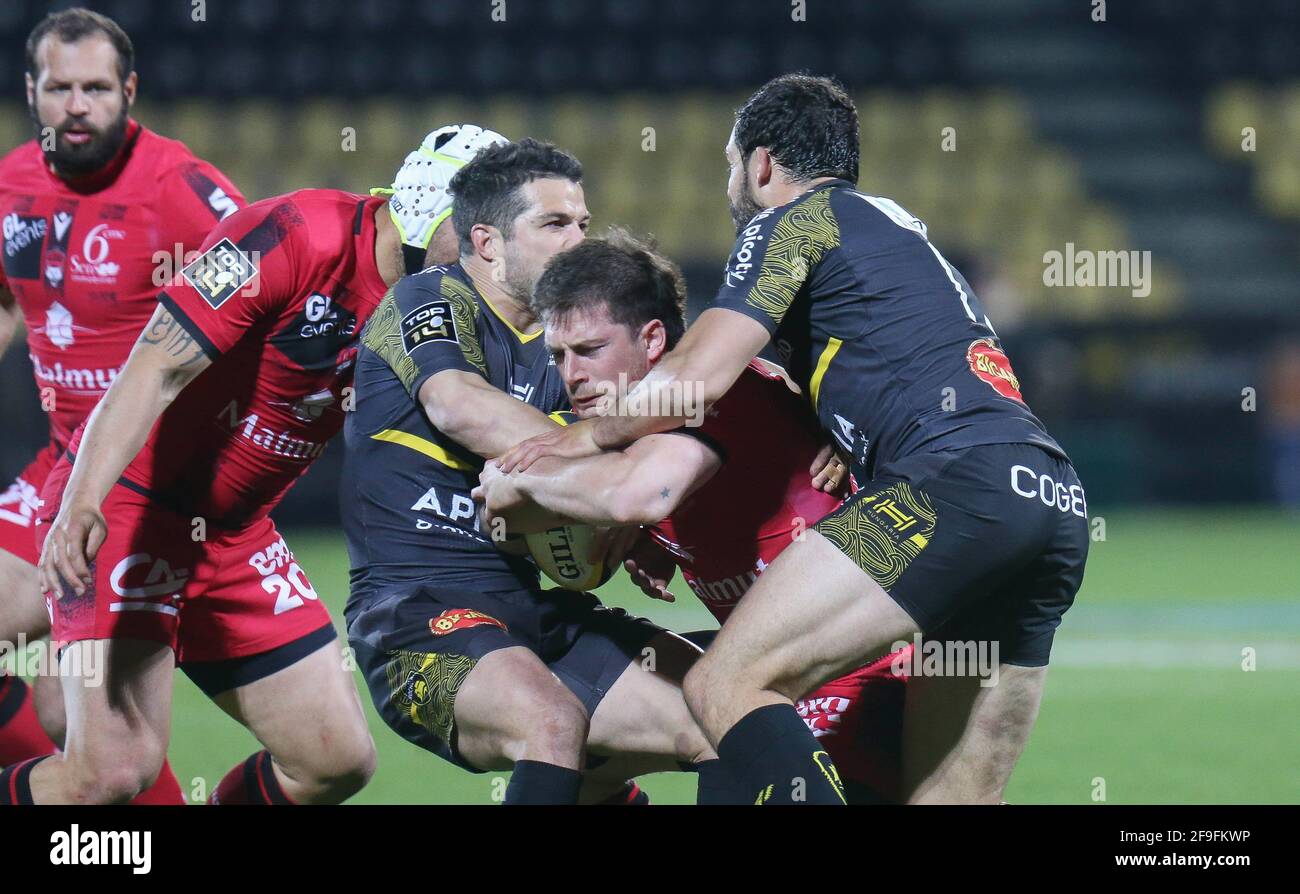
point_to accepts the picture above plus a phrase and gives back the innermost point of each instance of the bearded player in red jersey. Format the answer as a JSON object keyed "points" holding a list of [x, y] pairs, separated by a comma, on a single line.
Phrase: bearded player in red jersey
{"points": [[722, 499], [86, 207], [248, 361]]}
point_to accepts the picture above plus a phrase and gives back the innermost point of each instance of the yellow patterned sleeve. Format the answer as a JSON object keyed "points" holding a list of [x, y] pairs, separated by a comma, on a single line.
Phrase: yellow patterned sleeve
{"points": [[776, 255], [424, 326], [383, 335]]}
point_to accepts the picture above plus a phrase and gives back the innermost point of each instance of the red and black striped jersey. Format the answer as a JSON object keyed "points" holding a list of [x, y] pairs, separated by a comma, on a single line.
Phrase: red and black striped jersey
{"points": [[276, 298], [85, 257]]}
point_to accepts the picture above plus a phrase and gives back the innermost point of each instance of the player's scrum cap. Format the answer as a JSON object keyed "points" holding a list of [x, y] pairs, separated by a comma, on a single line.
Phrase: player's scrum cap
{"points": [[419, 200]]}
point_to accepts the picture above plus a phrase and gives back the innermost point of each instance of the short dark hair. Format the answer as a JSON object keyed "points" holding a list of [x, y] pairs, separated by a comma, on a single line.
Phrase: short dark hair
{"points": [[486, 190], [808, 123], [629, 276], [71, 25]]}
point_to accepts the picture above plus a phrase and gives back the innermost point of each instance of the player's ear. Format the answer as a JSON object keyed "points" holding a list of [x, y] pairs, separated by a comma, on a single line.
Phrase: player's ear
{"points": [[760, 164], [654, 335], [31, 89], [128, 89], [487, 241]]}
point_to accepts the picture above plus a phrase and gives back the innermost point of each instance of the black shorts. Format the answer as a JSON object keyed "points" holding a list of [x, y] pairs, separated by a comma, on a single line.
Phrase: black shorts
{"points": [[416, 646], [216, 677], [982, 544]]}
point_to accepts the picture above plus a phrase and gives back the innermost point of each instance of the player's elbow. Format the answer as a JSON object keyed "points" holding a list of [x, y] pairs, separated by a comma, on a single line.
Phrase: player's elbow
{"points": [[630, 503], [454, 406], [173, 382], [450, 415], [441, 416]]}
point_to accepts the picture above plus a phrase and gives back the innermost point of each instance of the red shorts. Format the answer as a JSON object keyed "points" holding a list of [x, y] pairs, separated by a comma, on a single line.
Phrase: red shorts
{"points": [[236, 594], [19, 505], [858, 719]]}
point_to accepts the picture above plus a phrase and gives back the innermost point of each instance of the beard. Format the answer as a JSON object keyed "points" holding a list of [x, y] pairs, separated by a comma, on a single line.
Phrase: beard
{"points": [[79, 159], [517, 278], [743, 209]]}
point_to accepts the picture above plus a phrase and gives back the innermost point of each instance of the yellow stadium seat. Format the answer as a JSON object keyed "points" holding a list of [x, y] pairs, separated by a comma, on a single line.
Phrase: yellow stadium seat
{"points": [[386, 131], [1003, 121], [318, 130], [936, 112], [261, 133], [1051, 177], [507, 115], [1277, 186], [882, 120], [1288, 115], [1230, 109], [15, 126], [197, 124]]}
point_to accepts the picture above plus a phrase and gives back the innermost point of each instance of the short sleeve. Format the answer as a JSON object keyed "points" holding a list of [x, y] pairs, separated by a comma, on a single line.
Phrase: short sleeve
{"points": [[245, 272], [195, 197], [426, 324], [774, 257]]}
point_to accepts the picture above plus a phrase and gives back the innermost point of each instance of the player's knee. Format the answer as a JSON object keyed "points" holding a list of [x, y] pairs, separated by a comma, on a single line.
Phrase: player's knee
{"points": [[698, 686], [354, 767], [341, 768], [47, 699], [691, 747], [361, 767], [114, 772], [553, 728], [24, 613]]}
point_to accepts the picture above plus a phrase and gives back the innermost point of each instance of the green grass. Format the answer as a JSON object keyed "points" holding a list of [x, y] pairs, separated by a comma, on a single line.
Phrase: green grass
{"points": [[1146, 692]]}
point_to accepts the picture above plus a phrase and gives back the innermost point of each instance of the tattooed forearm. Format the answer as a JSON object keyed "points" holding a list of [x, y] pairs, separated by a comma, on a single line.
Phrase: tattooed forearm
{"points": [[165, 332]]}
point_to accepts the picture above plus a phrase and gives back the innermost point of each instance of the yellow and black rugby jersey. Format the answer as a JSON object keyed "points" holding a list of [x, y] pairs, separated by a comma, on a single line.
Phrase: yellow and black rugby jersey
{"points": [[887, 339], [406, 488]]}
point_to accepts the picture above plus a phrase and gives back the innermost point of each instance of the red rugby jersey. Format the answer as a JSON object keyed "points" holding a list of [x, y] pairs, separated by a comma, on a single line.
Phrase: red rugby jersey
{"points": [[738, 521], [80, 257], [277, 298], [741, 519]]}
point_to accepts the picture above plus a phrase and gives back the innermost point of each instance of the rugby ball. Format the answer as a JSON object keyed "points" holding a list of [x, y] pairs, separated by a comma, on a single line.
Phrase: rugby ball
{"points": [[561, 554]]}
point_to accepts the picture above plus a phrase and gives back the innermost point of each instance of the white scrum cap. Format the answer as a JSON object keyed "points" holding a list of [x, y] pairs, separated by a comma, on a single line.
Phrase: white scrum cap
{"points": [[419, 199]]}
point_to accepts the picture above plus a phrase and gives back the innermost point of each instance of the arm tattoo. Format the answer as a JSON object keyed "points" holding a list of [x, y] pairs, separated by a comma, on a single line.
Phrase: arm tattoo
{"points": [[173, 338], [664, 493]]}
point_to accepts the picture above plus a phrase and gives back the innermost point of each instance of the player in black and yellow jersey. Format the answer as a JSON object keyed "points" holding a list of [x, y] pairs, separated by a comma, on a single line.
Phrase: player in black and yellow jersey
{"points": [[970, 524], [464, 653]]}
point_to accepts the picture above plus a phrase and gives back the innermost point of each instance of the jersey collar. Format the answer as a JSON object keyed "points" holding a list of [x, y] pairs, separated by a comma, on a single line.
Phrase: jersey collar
{"points": [[524, 338], [836, 182]]}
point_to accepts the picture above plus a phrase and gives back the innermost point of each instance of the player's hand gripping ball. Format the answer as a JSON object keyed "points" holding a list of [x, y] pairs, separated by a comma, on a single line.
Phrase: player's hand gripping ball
{"points": [[564, 554]]}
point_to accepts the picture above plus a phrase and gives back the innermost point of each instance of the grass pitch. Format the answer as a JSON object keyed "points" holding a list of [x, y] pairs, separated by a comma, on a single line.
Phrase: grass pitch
{"points": [[1147, 701]]}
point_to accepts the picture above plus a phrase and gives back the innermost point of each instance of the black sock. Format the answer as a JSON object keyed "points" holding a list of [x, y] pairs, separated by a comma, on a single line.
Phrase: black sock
{"points": [[776, 759], [15, 782], [630, 795], [537, 782], [717, 785], [251, 782]]}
